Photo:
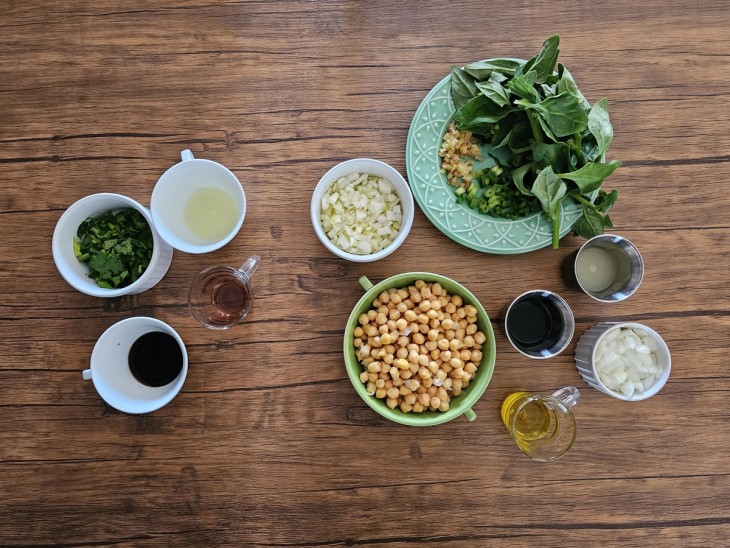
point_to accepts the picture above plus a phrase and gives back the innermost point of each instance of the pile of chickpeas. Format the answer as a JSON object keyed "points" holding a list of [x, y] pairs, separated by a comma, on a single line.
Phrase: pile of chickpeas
{"points": [[419, 347]]}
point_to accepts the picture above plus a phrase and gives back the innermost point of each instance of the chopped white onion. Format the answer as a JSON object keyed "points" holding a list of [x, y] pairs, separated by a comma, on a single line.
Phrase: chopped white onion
{"points": [[361, 213], [626, 361]]}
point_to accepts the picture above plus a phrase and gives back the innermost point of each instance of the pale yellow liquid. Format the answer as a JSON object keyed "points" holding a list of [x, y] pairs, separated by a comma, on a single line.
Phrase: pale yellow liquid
{"points": [[211, 214], [595, 269], [533, 422]]}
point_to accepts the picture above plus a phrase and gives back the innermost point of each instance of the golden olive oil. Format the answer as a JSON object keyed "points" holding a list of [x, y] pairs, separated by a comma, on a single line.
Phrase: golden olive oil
{"points": [[526, 420], [210, 214]]}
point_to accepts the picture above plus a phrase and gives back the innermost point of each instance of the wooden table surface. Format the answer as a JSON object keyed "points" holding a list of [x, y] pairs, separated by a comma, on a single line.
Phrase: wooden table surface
{"points": [[268, 444]]}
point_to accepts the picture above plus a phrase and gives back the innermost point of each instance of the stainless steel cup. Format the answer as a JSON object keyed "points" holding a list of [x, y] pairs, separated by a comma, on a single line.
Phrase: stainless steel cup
{"points": [[627, 265], [539, 324]]}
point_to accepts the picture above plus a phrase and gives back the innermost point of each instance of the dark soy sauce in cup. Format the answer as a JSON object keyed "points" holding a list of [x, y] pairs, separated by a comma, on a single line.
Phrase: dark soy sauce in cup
{"points": [[535, 323], [155, 359]]}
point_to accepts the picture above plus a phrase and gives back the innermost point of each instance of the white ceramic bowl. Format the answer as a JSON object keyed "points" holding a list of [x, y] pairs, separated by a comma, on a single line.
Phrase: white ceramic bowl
{"points": [[109, 367], [585, 353], [372, 167], [76, 273]]}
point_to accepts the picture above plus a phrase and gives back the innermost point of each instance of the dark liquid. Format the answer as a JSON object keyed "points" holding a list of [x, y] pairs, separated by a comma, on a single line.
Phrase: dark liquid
{"points": [[535, 323], [155, 359]]}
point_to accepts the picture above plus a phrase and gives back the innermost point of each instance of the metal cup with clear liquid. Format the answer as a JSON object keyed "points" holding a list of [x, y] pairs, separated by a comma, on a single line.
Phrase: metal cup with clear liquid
{"points": [[221, 296], [542, 425]]}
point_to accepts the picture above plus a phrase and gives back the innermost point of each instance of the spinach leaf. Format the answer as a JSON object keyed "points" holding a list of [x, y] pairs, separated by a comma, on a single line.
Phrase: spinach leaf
{"points": [[600, 127], [591, 176], [590, 224], [481, 70], [556, 155], [550, 190], [567, 83], [561, 113], [463, 87], [480, 113], [524, 87], [543, 64], [518, 178], [493, 90], [605, 201]]}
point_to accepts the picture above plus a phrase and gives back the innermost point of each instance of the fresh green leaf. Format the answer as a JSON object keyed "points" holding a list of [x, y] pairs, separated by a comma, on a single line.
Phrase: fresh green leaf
{"points": [[550, 190], [518, 178], [492, 89], [600, 127], [463, 87], [481, 70], [561, 113], [543, 64], [605, 201], [589, 224], [480, 114], [520, 139], [591, 176], [567, 83], [524, 87], [556, 155]]}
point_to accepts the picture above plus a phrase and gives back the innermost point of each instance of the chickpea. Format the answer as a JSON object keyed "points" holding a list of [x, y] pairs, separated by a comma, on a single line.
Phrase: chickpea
{"points": [[375, 342], [456, 299], [393, 393], [435, 402], [444, 406], [422, 319], [397, 382], [412, 384], [431, 315], [436, 305], [469, 341], [436, 289], [411, 398], [471, 319], [386, 339], [418, 338], [401, 307], [426, 292], [450, 308], [465, 355], [380, 393], [423, 328], [363, 319], [471, 328], [418, 408], [423, 360], [358, 332], [433, 367], [413, 368], [374, 367], [405, 374], [434, 323], [384, 297], [418, 284], [400, 363], [406, 407], [364, 350], [371, 388], [404, 390], [416, 297], [393, 314], [371, 315], [410, 315], [455, 345], [446, 356], [392, 403], [480, 338], [364, 377], [447, 384], [427, 382], [401, 324], [424, 305], [470, 310], [371, 330], [476, 356], [465, 378], [380, 383], [433, 335], [357, 342], [377, 303], [441, 375], [457, 384], [402, 341], [470, 368], [450, 334], [431, 345], [460, 334], [396, 299], [447, 323], [424, 400], [394, 373], [424, 373], [443, 344], [456, 363]]}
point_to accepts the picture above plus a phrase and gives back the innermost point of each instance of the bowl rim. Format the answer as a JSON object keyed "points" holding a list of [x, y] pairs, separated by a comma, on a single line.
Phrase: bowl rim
{"points": [[429, 418], [658, 384], [59, 258], [402, 189]]}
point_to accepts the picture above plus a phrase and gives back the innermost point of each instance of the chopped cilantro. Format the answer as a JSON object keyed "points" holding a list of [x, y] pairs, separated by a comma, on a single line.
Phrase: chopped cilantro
{"points": [[117, 246]]}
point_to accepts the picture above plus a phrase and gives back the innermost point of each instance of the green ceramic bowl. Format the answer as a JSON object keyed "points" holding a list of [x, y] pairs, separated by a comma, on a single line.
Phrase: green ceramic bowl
{"points": [[460, 405]]}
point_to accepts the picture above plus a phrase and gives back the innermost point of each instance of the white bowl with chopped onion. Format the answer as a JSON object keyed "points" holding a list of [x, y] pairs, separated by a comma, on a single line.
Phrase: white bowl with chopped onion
{"points": [[628, 361], [362, 210]]}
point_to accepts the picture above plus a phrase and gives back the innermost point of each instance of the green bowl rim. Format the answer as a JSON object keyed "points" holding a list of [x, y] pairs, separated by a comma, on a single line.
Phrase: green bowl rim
{"points": [[430, 418]]}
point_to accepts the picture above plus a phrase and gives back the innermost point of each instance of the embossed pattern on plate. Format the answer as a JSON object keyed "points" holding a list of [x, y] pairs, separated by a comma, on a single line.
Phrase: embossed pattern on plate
{"points": [[436, 197]]}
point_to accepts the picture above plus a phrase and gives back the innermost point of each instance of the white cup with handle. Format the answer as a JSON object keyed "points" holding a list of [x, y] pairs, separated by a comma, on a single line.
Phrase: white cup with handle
{"points": [[112, 375], [198, 205]]}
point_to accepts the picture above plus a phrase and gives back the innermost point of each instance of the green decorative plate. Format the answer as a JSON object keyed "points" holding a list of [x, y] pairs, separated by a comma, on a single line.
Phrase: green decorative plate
{"points": [[436, 197]]}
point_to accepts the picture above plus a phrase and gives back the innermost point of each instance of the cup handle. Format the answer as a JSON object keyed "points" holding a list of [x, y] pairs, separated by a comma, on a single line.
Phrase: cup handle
{"points": [[568, 395], [186, 155], [250, 266], [365, 283], [470, 414], [86, 374]]}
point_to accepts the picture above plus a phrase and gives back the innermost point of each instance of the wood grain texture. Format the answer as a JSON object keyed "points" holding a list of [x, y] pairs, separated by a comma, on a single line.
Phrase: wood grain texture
{"points": [[268, 443]]}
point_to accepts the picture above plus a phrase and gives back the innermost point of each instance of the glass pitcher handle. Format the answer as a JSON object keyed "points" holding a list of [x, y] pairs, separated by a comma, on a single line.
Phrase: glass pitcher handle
{"points": [[250, 266], [568, 395]]}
